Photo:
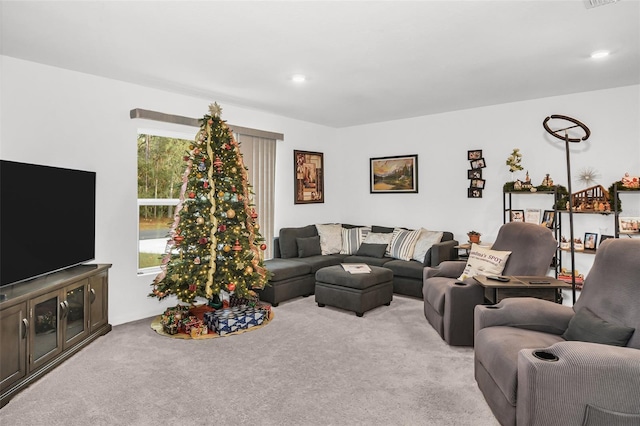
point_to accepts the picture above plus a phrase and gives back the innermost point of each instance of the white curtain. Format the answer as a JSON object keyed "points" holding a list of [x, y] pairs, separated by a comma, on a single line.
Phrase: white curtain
{"points": [[259, 155]]}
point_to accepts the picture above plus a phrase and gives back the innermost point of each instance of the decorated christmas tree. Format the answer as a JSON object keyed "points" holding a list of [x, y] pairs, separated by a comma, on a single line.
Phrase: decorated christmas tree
{"points": [[214, 245]]}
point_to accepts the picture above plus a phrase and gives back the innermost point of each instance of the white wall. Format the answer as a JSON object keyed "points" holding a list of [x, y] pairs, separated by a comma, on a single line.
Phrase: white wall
{"points": [[68, 119], [442, 141]]}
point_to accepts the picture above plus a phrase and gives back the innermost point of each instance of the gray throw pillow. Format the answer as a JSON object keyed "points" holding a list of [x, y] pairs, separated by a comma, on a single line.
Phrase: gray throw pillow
{"points": [[372, 250], [585, 326], [309, 246]]}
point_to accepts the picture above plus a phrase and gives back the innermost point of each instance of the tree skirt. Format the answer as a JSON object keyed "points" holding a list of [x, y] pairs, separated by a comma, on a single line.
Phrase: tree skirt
{"points": [[156, 325]]}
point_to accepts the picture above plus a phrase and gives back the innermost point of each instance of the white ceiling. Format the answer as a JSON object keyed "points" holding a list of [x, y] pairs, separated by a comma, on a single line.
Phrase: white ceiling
{"points": [[366, 61]]}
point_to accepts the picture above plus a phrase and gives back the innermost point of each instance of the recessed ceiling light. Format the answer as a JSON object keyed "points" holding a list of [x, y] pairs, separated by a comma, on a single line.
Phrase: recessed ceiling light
{"points": [[298, 78], [600, 54]]}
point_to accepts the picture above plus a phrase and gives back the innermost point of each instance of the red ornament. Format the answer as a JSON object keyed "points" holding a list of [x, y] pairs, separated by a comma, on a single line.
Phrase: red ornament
{"points": [[178, 238], [233, 188], [192, 194], [236, 246], [231, 286], [193, 287], [222, 228], [263, 246], [185, 158], [218, 163], [203, 240], [254, 215], [205, 184]]}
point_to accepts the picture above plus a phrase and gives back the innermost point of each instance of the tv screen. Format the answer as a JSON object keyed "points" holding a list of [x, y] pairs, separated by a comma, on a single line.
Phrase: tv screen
{"points": [[47, 219]]}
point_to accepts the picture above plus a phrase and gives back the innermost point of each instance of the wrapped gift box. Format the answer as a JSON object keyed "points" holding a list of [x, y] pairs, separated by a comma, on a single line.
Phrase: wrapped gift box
{"points": [[229, 320]]}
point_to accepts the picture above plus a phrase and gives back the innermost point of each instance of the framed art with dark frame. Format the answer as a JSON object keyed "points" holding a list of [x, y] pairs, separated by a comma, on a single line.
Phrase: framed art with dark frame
{"points": [[477, 183], [308, 177], [393, 175], [549, 218], [474, 174], [474, 193], [590, 240], [474, 154], [605, 237], [517, 215]]}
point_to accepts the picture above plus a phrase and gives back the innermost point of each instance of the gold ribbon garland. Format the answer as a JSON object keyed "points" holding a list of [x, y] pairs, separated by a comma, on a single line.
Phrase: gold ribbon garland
{"points": [[212, 217]]}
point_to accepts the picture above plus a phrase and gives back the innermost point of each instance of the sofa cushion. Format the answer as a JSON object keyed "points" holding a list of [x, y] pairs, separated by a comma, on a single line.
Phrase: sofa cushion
{"points": [[320, 261], [373, 261], [330, 237], [586, 326], [287, 239], [284, 269], [308, 246], [483, 261], [352, 238], [425, 241], [406, 268], [372, 250], [381, 229], [402, 243]]}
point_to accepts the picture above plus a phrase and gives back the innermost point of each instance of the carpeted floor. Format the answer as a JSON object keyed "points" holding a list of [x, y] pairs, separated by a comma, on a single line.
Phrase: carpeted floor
{"points": [[309, 366]]}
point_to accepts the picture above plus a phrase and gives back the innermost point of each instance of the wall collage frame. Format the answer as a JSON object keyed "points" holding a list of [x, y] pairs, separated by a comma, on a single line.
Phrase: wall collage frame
{"points": [[476, 182]]}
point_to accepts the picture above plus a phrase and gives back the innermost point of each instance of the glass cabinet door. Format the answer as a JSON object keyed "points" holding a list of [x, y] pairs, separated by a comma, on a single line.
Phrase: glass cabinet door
{"points": [[75, 312], [45, 331]]}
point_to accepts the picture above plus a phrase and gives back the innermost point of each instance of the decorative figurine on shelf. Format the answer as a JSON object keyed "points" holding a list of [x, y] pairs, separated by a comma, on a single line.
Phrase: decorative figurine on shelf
{"points": [[547, 181], [630, 181], [474, 237]]}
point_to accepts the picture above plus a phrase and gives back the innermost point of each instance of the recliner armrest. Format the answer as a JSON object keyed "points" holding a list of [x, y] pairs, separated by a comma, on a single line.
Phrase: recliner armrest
{"points": [[524, 312], [447, 269], [589, 383]]}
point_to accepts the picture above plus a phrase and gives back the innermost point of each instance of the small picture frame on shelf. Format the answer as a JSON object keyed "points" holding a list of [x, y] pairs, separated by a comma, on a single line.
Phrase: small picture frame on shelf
{"points": [[477, 183], [478, 164], [605, 237], [590, 240], [549, 219], [532, 216], [474, 193], [474, 154], [629, 225], [474, 174], [517, 215]]}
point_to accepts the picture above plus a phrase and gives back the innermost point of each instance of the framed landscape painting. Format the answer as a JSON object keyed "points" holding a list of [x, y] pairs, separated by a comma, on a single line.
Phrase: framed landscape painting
{"points": [[394, 174], [309, 177]]}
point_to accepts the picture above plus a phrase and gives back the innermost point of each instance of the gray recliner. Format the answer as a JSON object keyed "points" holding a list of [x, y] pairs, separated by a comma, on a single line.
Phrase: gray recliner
{"points": [[531, 375], [449, 303]]}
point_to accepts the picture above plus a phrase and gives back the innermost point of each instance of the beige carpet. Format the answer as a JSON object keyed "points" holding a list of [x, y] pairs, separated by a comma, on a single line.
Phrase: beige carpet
{"points": [[309, 366]]}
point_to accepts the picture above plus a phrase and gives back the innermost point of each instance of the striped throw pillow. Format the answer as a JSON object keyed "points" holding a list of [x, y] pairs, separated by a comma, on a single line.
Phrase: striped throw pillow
{"points": [[403, 243], [352, 238]]}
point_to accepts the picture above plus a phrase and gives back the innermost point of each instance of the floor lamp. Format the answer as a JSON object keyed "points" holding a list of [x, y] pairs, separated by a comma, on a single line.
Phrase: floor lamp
{"points": [[563, 134]]}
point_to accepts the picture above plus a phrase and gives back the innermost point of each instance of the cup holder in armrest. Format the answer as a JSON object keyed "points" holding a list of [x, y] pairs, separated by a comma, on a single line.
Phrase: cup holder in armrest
{"points": [[545, 356], [492, 307], [459, 283]]}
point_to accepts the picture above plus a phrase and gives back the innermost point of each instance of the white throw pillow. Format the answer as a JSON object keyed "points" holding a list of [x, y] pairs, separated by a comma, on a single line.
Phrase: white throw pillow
{"points": [[484, 261], [330, 237], [424, 243], [352, 238], [378, 238], [403, 243]]}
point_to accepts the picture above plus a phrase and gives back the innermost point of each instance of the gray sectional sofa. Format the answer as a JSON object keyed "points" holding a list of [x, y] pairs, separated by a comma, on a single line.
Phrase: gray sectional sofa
{"points": [[294, 264]]}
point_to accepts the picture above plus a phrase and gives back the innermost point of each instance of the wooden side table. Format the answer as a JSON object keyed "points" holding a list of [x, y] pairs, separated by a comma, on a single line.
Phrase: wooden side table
{"points": [[522, 286]]}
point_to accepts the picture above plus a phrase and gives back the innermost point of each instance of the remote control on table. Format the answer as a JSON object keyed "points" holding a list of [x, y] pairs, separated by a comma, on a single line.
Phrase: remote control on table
{"points": [[498, 278]]}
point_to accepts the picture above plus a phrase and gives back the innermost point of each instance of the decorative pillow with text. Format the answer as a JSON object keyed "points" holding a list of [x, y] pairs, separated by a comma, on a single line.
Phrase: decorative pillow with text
{"points": [[483, 261]]}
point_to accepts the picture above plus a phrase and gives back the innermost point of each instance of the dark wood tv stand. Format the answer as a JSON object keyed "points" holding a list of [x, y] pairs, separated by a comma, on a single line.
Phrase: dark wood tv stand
{"points": [[47, 320]]}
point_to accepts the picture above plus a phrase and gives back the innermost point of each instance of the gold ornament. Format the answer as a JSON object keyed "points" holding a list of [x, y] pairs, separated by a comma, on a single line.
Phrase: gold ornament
{"points": [[231, 213], [226, 248], [233, 170], [200, 220], [248, 270]]}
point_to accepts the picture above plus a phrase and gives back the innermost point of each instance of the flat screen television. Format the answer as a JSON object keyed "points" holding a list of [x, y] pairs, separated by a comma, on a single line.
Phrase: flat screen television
{"points": [[47, 220]]}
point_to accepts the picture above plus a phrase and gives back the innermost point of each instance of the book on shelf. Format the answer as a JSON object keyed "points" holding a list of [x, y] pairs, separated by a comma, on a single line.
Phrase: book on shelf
{"points": [[356, 268]]}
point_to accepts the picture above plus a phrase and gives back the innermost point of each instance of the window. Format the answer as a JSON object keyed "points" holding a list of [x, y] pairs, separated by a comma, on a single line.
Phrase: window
{"points": [[160, 170]]}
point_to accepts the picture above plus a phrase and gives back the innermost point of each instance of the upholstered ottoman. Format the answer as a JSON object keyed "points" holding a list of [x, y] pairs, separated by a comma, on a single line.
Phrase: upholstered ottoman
{"points": [[354, 292]]}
